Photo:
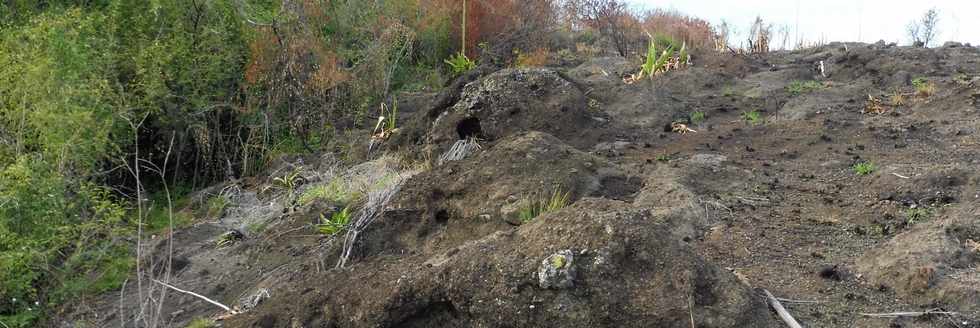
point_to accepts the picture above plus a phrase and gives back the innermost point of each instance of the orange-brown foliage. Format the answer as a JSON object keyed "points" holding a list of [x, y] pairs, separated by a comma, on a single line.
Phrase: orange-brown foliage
{"points": [[537, 58], [697, 32]]}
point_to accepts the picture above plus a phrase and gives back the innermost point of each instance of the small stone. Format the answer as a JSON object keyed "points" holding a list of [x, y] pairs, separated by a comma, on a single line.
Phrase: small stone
{"points": [[557, 271]]}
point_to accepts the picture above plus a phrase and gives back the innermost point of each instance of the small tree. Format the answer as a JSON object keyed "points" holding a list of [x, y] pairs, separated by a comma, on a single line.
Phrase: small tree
{"points": [[922, 32], [613, 19]]}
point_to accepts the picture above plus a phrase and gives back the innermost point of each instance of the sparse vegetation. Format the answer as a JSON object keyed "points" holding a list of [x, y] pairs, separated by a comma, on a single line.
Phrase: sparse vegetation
{"points": [[460, 63], [753, 117], [923, 87], [697, 117], [337, 192], [863, 168], [216, 206], [228, 238], [922, 32], [803, 87], [337, 222], [917, 214], [531, 209], [202, 323], [898, 99], [289, 182], [663, 158]]}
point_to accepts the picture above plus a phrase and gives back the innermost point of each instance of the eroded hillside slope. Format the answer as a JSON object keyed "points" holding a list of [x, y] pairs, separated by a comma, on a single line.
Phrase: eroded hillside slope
{"points": [[855, 187]]}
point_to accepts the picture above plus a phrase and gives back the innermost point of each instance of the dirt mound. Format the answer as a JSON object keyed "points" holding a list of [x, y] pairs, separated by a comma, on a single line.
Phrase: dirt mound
{"points": [[517, 100], [468, 199], [598, 263], [934, 264]]}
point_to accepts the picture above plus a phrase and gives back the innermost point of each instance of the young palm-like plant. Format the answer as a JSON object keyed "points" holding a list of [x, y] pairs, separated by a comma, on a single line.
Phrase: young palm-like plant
{"points": [[336, 223]]}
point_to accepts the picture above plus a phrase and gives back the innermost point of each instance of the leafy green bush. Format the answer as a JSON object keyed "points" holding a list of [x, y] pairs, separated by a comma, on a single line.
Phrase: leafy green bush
{"points": [[460, 64]]}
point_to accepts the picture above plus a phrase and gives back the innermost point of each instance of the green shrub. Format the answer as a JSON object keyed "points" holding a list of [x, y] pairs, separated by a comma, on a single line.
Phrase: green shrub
{"points": [[863, 168], [800, 87]]}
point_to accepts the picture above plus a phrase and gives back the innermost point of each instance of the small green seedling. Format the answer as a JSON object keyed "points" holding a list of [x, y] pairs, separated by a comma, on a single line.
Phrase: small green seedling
{"points": [[753, 117], [336, 223], [863, 168]]}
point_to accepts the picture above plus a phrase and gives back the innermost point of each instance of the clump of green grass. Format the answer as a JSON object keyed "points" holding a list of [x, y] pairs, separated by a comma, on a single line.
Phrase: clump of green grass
{"points": [[916, 214], [697, 117], [663, 158], [217, 206], [864, 168], [202, 323], [336, 191], [336, 223], [531, 209], [753, 117], [800, 87]]}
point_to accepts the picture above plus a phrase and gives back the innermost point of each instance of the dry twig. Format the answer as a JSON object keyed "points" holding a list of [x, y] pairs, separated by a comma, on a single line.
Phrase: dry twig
{"points": [[222, 306], [783, 314]]}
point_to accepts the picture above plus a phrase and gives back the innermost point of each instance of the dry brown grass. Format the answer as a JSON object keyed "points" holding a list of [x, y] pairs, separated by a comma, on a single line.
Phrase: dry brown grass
{"points": [[537, 58], [698, 33]]}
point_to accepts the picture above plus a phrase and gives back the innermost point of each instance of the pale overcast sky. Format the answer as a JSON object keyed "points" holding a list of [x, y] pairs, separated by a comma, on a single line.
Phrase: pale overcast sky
{"points": [[836, 20]]}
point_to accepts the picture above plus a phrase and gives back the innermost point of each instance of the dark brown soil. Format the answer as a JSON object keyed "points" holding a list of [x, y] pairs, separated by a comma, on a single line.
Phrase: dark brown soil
{"points": [[664, 228]]}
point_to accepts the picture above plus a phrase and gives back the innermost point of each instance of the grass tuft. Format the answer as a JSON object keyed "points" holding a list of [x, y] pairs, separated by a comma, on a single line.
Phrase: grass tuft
{"points": [[797, 88], [531, 209], [917, 214], [697, 117]]}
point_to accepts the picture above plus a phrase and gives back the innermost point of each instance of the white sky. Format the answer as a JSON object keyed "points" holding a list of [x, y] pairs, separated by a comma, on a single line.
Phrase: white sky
{"points": [[836, 20]]}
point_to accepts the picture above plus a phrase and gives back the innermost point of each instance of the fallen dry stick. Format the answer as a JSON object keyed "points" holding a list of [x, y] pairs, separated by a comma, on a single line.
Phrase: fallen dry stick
{"points": [[783, 314], [906, 314], [225, 307]]}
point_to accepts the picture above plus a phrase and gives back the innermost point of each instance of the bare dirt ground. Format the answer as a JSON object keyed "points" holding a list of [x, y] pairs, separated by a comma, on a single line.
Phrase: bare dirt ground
{"points": [[664, 229]]}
